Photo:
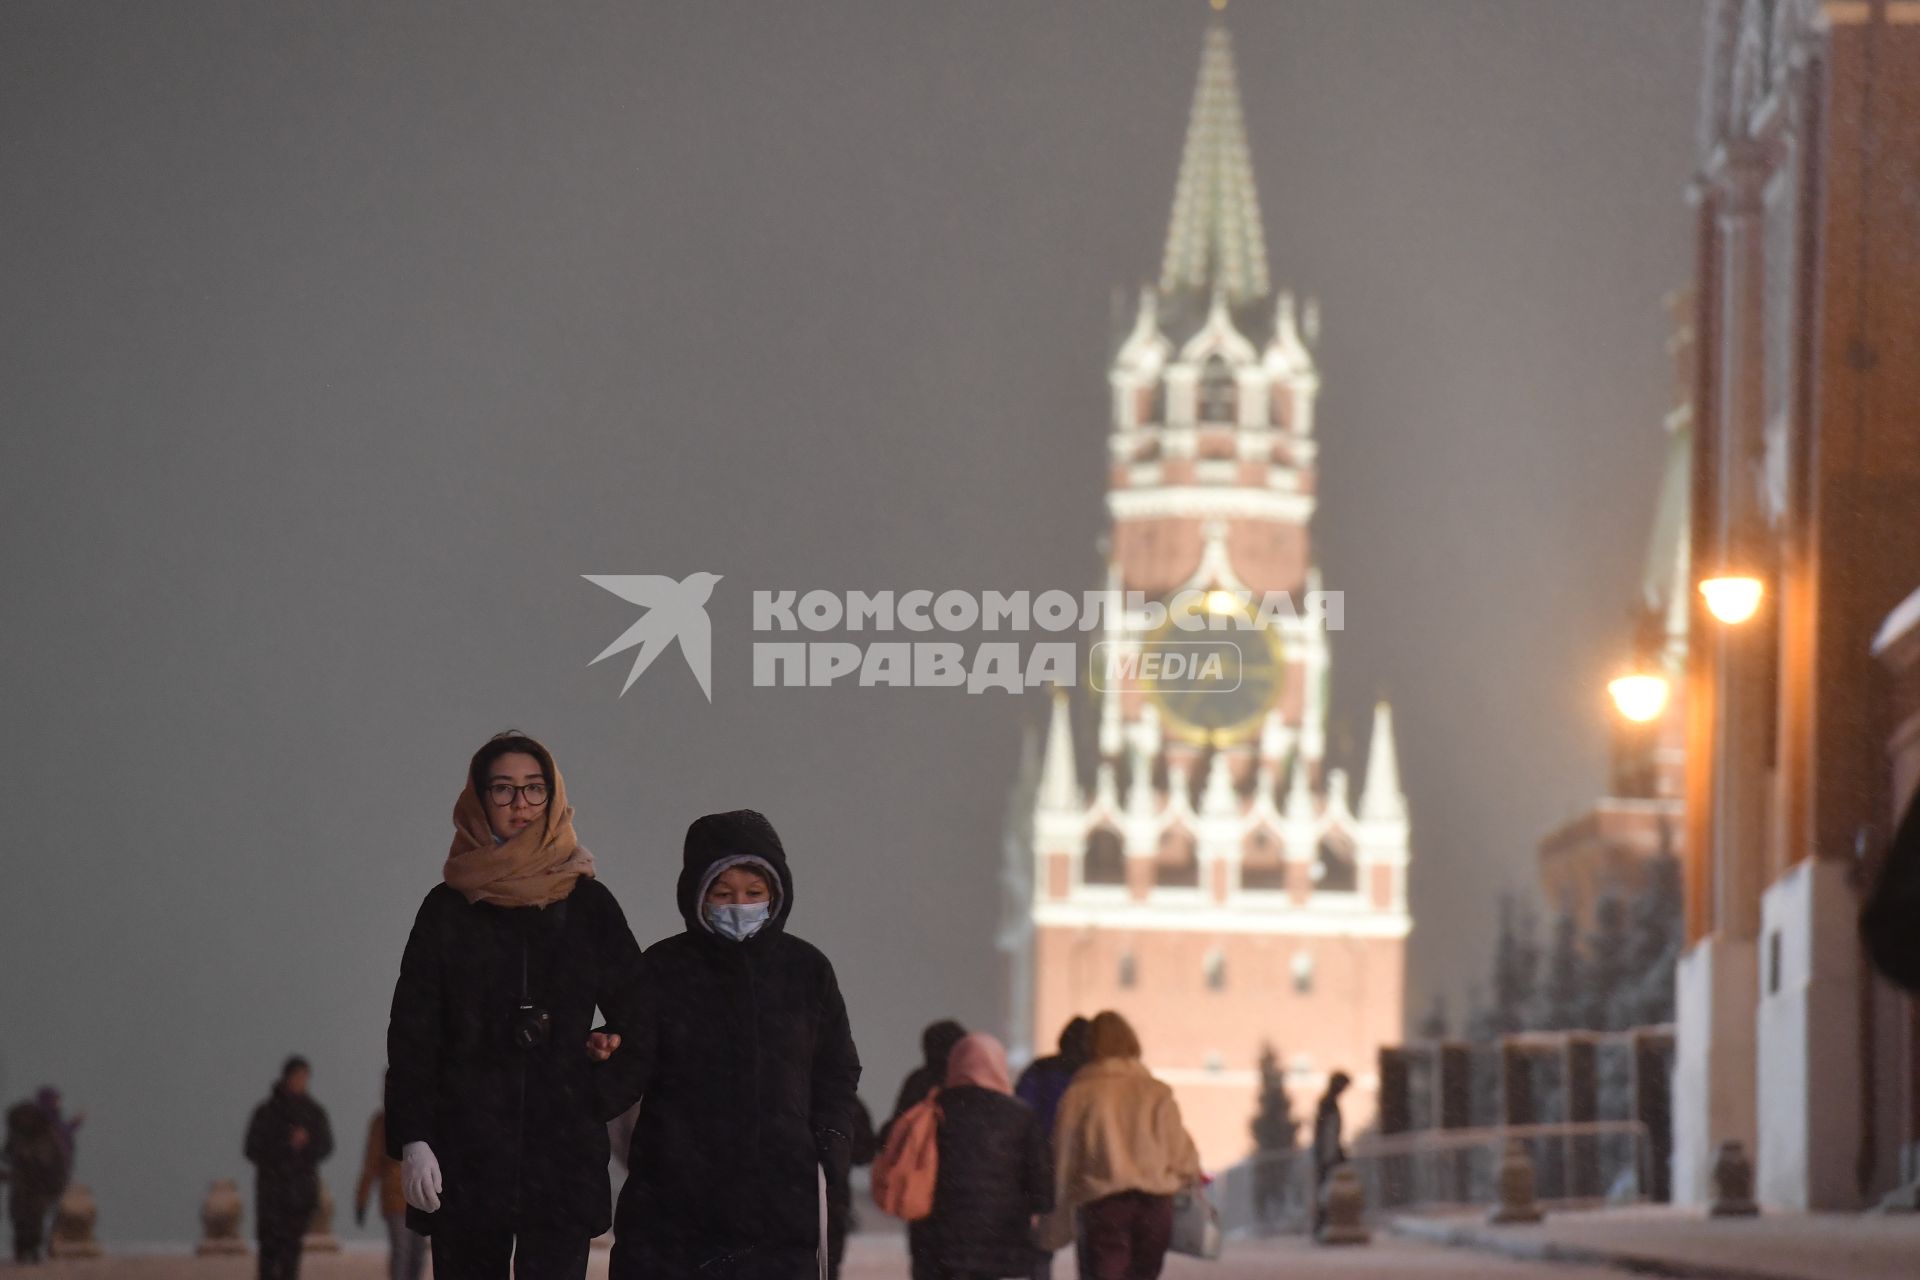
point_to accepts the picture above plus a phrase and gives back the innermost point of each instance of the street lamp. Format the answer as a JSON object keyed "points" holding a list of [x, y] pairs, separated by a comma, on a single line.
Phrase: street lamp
{"points": [[1732, 596], [1640, 694]]}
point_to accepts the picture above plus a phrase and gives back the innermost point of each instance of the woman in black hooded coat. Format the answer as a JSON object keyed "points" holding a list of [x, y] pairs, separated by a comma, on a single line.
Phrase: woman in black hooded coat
{"points": [[749, 1088]]}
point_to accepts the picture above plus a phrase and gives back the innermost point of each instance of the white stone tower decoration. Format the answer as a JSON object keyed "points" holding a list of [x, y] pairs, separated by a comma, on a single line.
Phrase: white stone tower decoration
{"points": [[1205, 875]]}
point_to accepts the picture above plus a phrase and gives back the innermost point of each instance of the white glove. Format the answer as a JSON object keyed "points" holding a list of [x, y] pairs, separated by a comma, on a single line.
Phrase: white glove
{"points": [[420, 1176]]}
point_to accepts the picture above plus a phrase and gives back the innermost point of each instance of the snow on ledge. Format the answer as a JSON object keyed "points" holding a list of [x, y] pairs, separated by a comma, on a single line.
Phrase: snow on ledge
{"points": [[1902, 622]]}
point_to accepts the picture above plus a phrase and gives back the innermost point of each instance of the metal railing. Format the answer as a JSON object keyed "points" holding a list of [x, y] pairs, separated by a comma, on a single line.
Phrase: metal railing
{"points": [[1592, 1162]]}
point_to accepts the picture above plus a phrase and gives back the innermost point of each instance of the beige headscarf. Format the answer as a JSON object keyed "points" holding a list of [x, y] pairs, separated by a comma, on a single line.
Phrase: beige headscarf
{"points": [[537, 867]]}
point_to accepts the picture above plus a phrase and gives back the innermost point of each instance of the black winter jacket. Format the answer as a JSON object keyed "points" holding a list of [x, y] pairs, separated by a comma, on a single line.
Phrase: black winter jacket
{"points": [[749, 1092], [995, 1174], [286, 1182], [520, 1134]]}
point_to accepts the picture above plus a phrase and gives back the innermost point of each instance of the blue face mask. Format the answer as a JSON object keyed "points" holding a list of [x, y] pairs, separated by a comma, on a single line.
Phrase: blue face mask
{"points": [[739, 922]]}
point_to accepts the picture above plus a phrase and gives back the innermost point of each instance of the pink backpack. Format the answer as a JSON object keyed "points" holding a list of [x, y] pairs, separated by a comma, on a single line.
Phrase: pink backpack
{"points": [[909, 1165]]}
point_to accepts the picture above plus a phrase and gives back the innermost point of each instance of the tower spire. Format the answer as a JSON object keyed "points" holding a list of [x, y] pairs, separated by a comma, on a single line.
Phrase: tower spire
{"points": [[1381, 799], [1214, 240], [1059, 777]]}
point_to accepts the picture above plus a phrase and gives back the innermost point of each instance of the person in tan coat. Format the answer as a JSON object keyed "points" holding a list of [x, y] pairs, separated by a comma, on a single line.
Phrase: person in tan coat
{"points": [[406, 1250], [1121, 1154]]}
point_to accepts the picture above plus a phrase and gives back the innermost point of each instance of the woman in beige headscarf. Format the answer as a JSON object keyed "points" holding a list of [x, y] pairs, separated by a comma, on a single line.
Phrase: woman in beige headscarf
{"points": [[1121, 1154], [497, 1100]]}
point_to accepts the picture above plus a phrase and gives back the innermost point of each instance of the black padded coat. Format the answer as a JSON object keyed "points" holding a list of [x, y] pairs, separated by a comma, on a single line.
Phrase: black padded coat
{"points": [[996, 1174], [520, 1133], [749, 1092]]}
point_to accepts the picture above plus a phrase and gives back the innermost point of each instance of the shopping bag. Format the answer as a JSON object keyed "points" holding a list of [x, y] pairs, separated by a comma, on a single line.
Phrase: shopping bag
{"points": [[1196, 1225]]}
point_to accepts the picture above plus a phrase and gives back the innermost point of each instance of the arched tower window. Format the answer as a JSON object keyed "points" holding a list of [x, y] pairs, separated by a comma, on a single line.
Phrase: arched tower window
{"points": [[1177, 864], [1219, 393], [1105, 862], [1261, 864], [1129, 971], [1335, 871]]}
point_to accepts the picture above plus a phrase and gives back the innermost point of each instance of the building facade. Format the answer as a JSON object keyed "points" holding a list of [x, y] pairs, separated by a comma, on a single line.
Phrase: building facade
{"points": [[1806, 466], [1210, 875]]}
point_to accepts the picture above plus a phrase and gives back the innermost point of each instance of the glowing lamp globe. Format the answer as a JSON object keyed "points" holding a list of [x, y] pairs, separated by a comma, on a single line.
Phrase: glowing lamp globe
{"points": [[1640, 696], [1732, 598]]}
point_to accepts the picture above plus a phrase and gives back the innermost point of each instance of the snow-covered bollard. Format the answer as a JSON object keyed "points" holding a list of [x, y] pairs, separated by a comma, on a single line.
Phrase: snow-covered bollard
{"points": [[220, 1219], [73, 1220], [1343, 1202], [1732, 1183], [1516, 1187]]}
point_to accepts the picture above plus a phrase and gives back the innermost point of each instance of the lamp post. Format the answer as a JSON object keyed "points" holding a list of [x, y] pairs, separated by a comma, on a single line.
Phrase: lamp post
{"points": [[1640, 694], [1733, 595], [1641, 690]]}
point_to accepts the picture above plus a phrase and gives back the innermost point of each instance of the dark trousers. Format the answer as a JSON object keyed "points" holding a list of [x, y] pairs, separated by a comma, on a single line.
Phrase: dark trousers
{"points": [[484, 1255], [29, 1223], [279, 1257], [1125, 1236], [1043, 1267]]}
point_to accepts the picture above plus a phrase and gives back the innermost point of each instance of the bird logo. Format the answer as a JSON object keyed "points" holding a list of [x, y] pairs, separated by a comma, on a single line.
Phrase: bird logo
{"points": [[674, 611]]}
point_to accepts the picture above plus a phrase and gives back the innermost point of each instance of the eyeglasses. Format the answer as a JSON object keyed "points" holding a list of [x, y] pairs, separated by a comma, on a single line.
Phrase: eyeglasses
{"points": [[504, 793]]}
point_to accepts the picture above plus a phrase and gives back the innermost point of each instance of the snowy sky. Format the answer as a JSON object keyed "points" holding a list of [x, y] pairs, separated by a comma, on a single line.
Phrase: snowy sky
{"points": [[340, 340]]}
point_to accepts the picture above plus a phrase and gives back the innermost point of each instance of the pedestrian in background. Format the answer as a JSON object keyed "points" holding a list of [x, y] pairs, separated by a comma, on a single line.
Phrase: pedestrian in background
{"points": [[995, 1177], [1329, 1147], [37, 1172], [64, 1128], [936, 1047], [1122, 1153], [1041, 1087], [287, 1139], [406, 1248]]}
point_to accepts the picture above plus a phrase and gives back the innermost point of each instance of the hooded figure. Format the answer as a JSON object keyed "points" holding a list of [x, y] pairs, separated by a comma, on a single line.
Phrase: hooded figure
{"points": [[287, 1138], [749, 1094], [36, 1175], [936, 1047], [1329, 1149], [996, 1175], [1045, 1080], [490, 1087]]}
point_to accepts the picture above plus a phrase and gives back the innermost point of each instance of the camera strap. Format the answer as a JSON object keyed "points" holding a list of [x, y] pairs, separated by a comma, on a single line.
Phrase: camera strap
{"points": [[526, 996]]}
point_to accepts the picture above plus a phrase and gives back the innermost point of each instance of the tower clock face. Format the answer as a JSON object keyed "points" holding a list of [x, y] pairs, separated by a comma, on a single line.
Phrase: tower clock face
{"points": [[1214, 687]]}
